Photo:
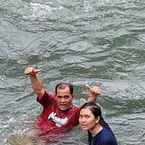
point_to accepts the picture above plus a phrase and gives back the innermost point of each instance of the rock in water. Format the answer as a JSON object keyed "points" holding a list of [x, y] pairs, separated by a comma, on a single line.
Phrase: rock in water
{"points": [[22, 140]]}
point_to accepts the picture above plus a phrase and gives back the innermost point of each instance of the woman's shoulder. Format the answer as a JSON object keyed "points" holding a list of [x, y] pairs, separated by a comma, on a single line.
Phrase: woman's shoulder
{"points": [[108, 137]]}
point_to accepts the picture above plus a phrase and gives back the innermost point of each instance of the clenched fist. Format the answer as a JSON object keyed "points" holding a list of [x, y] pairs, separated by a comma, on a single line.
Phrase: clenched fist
{"points": [[31, 71]]}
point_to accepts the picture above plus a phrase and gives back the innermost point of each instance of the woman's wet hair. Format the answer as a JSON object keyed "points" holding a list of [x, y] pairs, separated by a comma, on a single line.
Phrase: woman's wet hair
{"points": [[63, 85], [96, 111]]}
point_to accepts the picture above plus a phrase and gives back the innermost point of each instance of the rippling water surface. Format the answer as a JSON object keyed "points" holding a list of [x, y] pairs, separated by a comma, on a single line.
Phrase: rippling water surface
{"points": [[81, 41]]}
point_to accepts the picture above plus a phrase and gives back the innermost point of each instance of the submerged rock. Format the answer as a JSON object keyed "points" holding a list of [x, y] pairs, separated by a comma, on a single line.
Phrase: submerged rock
{"points": [[23, 140]]}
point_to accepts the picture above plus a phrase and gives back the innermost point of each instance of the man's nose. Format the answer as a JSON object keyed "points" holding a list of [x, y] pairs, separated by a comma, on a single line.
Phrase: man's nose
{"points": [[62, 100]]}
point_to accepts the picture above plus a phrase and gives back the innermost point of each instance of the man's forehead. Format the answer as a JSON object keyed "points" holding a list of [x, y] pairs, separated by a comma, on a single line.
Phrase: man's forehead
{"points": [[63, 87]]}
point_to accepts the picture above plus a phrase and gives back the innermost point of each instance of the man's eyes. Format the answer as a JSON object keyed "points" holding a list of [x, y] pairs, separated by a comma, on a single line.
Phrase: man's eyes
{"points": [[66, 97]]}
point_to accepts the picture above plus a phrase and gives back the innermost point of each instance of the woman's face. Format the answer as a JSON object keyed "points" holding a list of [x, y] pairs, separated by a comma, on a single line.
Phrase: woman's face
{"points": [[87, 120]]}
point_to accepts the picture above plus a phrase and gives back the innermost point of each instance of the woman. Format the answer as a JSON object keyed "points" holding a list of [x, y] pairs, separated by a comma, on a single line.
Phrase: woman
{"points": [[90, 119]]}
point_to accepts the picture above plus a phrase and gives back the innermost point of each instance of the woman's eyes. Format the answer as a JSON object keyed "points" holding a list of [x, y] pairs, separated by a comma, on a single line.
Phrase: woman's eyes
{"points": [[87, 116], [84, 116]]}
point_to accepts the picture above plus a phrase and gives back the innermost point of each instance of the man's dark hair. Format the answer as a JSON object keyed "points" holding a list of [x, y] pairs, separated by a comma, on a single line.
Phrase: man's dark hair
{"points": [[63, 85]]}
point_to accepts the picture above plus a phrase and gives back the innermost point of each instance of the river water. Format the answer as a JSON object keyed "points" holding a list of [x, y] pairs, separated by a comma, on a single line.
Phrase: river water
{"points": [[80, 41]]}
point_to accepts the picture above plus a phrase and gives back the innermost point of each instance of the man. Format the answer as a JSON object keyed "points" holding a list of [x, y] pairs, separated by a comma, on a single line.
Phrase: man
{"points": [[59, 114]]}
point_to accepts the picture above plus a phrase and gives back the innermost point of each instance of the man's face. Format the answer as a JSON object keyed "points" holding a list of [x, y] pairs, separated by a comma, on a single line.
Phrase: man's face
{"points": [[64, 98]]}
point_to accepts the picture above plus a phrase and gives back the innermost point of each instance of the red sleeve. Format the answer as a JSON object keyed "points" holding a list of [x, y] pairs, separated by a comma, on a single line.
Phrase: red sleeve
{"points": [[46, 99]]}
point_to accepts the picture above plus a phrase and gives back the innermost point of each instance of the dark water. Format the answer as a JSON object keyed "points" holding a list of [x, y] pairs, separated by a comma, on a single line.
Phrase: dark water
{"points": [[81, 41]]}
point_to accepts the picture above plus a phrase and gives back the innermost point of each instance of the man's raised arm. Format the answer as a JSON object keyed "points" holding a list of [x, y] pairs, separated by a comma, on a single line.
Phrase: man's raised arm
{"points": [[94, 92], [37, 84]]}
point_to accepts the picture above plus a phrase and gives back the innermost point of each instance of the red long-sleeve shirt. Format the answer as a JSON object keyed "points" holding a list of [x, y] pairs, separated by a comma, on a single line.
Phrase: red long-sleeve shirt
{"points": [[54, 120]]}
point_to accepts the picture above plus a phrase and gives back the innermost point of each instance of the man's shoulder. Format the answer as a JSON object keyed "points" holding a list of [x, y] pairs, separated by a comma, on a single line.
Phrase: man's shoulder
{"points": [[76, 108], [48, 98]]}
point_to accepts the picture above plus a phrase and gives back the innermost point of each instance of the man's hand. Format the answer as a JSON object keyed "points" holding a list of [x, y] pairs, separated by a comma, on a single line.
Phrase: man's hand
{"points": [[94, 91], [31, 71], [37, 84]]}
